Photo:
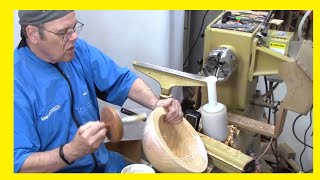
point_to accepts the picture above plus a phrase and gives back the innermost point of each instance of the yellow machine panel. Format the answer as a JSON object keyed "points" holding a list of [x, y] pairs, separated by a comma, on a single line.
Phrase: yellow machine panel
{"points": [[235, 91]]}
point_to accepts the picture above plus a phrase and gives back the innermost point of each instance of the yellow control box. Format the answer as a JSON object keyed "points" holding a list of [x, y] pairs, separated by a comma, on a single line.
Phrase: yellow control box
{"points": [[279, 41]]}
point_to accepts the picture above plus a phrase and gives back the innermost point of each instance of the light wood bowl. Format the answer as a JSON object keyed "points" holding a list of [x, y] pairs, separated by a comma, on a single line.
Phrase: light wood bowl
{"points": [[173, 148]]}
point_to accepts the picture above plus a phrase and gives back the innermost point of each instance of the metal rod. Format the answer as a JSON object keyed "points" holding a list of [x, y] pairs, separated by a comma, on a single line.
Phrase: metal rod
{"points": [[127, 112]]}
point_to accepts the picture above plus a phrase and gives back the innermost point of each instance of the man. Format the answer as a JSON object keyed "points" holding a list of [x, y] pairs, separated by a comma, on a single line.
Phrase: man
{"points": [[57, 80]]}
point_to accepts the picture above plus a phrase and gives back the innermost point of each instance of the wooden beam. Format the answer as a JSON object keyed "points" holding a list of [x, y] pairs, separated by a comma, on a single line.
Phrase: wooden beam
{"points": [[251, 124]]}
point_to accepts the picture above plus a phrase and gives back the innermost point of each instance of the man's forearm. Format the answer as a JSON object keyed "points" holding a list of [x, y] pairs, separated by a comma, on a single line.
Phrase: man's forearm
{"points": [[141, 93], [48, 161]]}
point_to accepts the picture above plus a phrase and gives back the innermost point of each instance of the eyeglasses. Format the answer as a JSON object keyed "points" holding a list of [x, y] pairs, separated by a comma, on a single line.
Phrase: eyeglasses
{"points": [[65, 37]]}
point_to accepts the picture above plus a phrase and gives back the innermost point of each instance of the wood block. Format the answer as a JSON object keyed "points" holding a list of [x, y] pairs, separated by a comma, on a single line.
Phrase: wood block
{"points": [[130, 149], [286, 151], [283, 162], [251, 124], [270, 158]]}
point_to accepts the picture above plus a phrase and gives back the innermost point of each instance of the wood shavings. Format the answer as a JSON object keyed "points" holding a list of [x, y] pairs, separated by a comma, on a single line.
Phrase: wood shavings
{"points": [[233, 132]]}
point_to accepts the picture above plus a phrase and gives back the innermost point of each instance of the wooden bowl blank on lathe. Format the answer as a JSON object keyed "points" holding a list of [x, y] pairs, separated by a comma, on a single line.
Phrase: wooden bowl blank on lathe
{"points": [[173, 148]]}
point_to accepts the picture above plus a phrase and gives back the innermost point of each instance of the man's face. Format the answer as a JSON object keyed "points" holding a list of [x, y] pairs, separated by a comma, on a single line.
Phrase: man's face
{"points": [[51, 47]]}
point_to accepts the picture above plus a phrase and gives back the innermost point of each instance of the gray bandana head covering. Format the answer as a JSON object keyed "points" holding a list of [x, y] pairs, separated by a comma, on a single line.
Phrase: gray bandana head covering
{"points": [[29, 17]]}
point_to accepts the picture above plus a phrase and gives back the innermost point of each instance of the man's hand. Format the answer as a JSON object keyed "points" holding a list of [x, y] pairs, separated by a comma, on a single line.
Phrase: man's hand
{"points": [[141, 93], [175, 114], [88, 139]]}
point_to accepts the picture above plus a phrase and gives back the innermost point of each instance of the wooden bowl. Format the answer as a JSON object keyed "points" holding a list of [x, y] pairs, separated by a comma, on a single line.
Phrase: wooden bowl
{"points": [[113, 123], [173, 148]]}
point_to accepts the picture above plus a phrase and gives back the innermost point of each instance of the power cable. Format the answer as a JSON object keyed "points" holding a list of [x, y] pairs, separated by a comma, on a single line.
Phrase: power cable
{"points": [[305, 140], [204, 16], [265, 149], [294, 133]]}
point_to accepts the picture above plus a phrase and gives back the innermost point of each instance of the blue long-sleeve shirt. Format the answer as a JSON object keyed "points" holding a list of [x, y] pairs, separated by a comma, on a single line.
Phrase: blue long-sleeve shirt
{"points": [[42, 100]]}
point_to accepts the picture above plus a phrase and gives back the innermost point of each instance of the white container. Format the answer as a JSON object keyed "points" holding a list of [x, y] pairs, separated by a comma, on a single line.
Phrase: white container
{"points": [[214, 124], [214, 114], [137, 168]]}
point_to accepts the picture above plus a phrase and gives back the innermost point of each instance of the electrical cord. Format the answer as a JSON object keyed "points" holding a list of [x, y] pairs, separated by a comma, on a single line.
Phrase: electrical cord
{"points": [[266, 87], [294, 133], [266, 149], [196, 39], [270, 98], [305, 139]]}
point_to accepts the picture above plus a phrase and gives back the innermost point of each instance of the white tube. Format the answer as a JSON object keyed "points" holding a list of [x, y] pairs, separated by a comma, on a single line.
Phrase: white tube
{"points": [[212, 90], [213, 105]]}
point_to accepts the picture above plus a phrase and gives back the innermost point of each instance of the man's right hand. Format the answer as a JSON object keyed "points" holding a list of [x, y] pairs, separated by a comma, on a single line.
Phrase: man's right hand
{"points": [[88, 139]]}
